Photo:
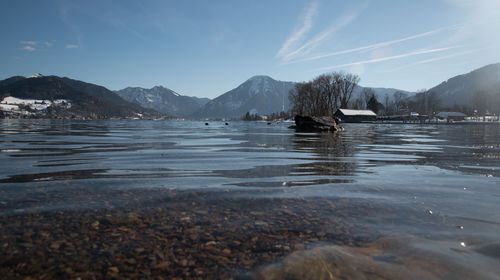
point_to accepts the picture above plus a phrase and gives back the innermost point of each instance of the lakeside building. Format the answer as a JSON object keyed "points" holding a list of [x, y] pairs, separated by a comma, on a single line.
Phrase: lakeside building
{"points": [[451, 116], [355, 116]]}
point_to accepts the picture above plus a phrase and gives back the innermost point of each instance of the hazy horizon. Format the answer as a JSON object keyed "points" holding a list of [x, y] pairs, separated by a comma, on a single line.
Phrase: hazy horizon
{"points": [[206, 49]]}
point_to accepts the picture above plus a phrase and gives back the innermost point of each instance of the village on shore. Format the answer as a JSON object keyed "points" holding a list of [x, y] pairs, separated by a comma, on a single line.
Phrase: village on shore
{"points": [[16, 108]]}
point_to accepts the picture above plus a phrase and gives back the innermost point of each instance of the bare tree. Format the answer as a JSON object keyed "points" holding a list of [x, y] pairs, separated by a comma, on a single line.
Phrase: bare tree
{"points": [[373, 104], [325, 85], [366, 95], [323, 95], [357, 104], [388, 105], [400, 101], [425, 102], [432, 102], [346, 83], [481, 101], [305, 99], [298, 99]]}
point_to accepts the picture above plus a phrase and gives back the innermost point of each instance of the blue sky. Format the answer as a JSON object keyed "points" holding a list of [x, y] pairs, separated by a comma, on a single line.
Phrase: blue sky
{"points": [[205, 48]]}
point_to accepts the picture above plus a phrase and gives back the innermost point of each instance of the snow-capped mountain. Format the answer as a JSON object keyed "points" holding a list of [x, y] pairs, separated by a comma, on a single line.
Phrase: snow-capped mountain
{"points": [[163, 100], [36, 75], [258, 95]]}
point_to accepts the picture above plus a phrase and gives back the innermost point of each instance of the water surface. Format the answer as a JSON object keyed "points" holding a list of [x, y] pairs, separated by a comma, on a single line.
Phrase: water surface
{"points": [[96, 199]]}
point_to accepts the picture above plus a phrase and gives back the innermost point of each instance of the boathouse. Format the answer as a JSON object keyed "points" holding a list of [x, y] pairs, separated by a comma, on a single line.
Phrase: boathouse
{"points": [[451, 116], [355, 116]]}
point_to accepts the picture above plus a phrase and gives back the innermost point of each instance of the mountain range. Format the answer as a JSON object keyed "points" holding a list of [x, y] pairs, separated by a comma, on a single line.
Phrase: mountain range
{"points": [[258, 95], [163, 100]]}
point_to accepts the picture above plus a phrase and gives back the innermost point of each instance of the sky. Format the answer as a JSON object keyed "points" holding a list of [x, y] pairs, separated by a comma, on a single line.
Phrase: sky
{"points": [[206, 48]]}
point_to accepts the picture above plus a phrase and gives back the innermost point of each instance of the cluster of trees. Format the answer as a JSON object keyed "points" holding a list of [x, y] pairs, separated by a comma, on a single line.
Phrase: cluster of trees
{"points": [[367, 101], [427, 102], [424, 102], [273, 117], [324, 94], [279, 116], [251, 117], [484, 102]]}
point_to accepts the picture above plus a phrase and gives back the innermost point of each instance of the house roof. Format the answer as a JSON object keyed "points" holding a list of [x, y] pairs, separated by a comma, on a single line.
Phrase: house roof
{"points": [[450, 114], [349, 112]]}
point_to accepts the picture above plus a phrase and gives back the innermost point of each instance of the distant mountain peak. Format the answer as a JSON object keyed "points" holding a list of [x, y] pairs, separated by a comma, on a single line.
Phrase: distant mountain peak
{"points": [[163, 89], [259, 94], [36, 75], [260, 78]]}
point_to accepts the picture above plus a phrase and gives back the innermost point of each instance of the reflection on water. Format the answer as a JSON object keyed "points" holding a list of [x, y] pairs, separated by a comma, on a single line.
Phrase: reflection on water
{"points": [[149, 198]]}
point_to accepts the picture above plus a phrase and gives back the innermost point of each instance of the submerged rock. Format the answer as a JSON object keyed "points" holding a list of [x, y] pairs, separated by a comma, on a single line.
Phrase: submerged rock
{"points": [[308, 123], [393, 257]]}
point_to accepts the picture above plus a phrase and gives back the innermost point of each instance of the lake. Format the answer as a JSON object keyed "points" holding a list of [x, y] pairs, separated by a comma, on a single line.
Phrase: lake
{"points": [[248, 200]]}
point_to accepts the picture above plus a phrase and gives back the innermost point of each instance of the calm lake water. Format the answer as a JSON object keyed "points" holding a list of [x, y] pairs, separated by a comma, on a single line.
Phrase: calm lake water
{"points": [[152, 199]]}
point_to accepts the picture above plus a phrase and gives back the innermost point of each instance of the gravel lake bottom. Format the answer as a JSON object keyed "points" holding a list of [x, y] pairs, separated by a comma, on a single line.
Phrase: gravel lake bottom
{"points": [[248, 200]]}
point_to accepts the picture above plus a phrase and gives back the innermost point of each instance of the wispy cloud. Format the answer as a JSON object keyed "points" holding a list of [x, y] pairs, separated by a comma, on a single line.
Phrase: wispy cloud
{"points": [[447, 56], [27, 48], [66, 19], [70, 46], [370, 47], [295, 47], [481, 19], [315, 41], [32, 43], [298, 34], [387, 58], [430, 60]]}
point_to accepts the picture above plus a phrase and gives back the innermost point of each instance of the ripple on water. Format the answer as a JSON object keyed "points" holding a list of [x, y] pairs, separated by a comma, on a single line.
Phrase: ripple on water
{"points": [[487, 168], [379, 200]]}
